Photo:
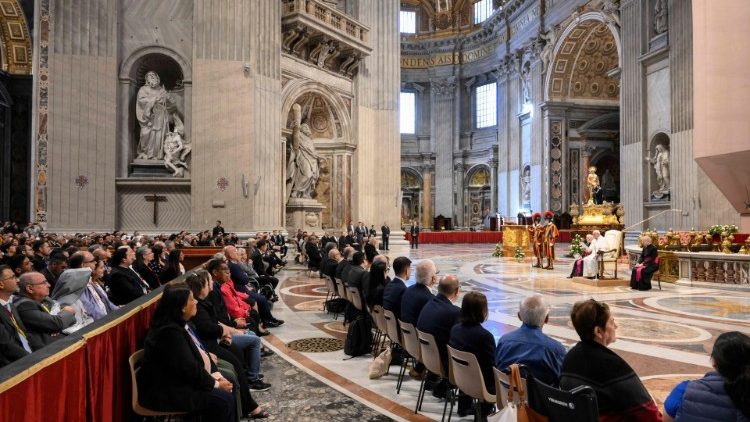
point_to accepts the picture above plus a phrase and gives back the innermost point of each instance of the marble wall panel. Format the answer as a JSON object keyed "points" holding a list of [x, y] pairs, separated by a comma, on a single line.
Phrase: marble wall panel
{"points": [[658, 95], [137, 214]]}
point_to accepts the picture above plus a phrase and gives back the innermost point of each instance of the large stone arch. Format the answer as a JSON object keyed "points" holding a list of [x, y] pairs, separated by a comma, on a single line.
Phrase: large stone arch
{"points": [[15, 39], [587, 50]]}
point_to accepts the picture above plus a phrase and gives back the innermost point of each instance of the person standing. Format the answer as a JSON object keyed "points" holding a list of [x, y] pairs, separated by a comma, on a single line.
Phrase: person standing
{"points": [[218, 230], [385, 233], [414, 235], [550, 234]]}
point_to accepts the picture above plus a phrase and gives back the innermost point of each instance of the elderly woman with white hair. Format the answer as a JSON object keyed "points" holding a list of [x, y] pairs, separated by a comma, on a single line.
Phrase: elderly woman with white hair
{"points": [[540, 353], [648, 264]]}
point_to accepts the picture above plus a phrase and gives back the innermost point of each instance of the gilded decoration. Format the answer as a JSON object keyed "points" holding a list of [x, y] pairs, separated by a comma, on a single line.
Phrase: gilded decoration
{"points": [[515, 237], [16, 50], [409, 180], [480, 178], [585, 57]]}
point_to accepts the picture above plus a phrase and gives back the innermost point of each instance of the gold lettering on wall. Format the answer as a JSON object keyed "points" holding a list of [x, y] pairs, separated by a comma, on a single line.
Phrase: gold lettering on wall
{"points": [[443, 59]]}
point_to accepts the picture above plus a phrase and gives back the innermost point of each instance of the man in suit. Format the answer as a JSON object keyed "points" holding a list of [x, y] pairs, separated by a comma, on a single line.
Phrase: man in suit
{"points": [[350, 228], [438, 316], [13, 342], [125, 285], [393, 292], [416, 296], [41, 252], [345, 263], [218, 230], [414, 235], [56, 264], [385, 233], [329, 266], [34, 309], [361, 234]]}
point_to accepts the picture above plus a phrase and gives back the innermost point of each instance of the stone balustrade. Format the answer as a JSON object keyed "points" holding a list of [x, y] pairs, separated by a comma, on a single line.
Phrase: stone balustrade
{"points": [[324, 36], [707, 267], [324, 14]]}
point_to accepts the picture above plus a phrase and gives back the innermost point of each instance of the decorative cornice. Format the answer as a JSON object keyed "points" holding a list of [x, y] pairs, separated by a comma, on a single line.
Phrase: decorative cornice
{"points": [[443, 86]]}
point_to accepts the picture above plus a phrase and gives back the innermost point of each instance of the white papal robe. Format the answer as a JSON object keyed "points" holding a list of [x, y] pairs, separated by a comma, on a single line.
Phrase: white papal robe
{"points": [[590, 261]]}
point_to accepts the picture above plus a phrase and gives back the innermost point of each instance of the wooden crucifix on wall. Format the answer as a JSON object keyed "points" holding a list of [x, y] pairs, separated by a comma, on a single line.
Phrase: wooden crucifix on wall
{"points": [[156, 199]]}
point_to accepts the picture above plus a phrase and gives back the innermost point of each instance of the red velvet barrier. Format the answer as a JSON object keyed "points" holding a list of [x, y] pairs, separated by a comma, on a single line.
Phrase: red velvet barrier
{"points": [[107, 352], [458, 237], [53, 392]]}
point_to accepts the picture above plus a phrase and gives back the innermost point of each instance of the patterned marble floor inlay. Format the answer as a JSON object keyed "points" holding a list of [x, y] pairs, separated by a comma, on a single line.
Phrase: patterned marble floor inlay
{"points": [[316, 344], [666, 335]]}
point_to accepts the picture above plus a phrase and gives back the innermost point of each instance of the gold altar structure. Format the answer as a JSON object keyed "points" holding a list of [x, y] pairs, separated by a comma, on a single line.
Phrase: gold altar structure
{"points": [[515, 236], [602, 217]]}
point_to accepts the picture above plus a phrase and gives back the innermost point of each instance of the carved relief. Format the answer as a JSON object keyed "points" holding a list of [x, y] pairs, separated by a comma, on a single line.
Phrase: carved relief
{"points": [[661, 24]]}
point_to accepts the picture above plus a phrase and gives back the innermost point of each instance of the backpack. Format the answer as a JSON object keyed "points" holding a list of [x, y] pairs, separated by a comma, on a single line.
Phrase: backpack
{"points": [[359, 337], [336, 305]]}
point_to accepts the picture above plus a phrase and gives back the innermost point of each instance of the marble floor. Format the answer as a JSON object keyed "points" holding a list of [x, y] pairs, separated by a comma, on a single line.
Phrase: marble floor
{"points": [[666, 335]]}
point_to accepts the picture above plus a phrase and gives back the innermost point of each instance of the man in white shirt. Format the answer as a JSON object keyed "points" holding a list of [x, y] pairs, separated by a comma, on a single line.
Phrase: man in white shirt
{"points": [[591, 262]]}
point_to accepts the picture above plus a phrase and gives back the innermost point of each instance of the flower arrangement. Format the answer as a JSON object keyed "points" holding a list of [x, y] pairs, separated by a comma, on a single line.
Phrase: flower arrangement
{"points": [[719, 229], [520, 255], [576, 245], [498, 251]]}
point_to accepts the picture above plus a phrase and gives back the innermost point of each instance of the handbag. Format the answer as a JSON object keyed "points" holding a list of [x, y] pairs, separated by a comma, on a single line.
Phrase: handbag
{"points": [[379, 365], [524, 412]]}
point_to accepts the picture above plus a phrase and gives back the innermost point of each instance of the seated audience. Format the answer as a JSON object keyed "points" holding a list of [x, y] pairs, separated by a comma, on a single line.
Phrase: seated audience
{"points": [[312, 252], [371, 249], [7, 251], [176, 373], [329, 267], [142, 265], [56, 264], [374, 282], [469, 336], [227, 343], [438, 317], [20, 264], [125, 285], [94, 299], [173, 269], [13, 341], [417, 295], [577, 270], [640, 278], [393, 291], [241, 284], [38, 311], [722, 394], [344, 264], [41, 250], [620, 393], [541, 354], [261, 265]]}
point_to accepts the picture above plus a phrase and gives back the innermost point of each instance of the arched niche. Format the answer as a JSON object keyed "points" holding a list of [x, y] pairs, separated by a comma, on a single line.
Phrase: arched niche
{"points": [[340, 108], [175, 74], [477, 194], [411, 195], [658, 192], [607, 165]]}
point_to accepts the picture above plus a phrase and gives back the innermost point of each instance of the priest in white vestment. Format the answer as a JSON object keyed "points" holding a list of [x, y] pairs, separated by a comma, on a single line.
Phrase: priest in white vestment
{"points": [[590, 262]]}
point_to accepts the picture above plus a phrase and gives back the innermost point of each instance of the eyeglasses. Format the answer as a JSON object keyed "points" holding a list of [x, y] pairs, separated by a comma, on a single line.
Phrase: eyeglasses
{"points": [[37, 284], [9, 278]]}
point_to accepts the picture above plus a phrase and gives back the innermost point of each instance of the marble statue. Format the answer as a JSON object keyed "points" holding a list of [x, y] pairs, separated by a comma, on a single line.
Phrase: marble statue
{"points": [[660, 161], [175, 152], [661, 24], [550, 39], [526, 186], [302, 168], [526, 82], [152, 112], [592, 182]]}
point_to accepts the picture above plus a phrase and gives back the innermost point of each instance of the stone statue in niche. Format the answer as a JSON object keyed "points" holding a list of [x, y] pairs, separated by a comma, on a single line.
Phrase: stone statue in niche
{"points": [[175, 152], [661, 24], [592, 183], [152, 109], [660, 161], [526, 82], [302, 168], [526, 186], [550, 39]]}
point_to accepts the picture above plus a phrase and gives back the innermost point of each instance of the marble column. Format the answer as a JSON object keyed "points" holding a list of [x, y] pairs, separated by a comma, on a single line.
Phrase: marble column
{"points": [[586, 152], [459, 196], [427, 197], [442, 103], [493, 182]]}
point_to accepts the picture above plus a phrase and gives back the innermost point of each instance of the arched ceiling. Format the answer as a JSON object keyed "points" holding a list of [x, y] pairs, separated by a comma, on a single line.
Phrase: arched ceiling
{"points": [[442, 14], [584, 59], [15, 40]]}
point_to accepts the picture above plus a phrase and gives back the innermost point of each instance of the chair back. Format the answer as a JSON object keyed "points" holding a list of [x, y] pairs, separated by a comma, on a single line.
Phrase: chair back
{"points": [[410, 339], [614, 244], [578, 404], [391, 325], [331, 286], [430, 354], [342, 289], [379, 318], [355, 297], [502, 383], [134, 361], [468, 375]]}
